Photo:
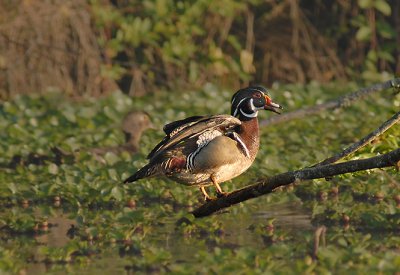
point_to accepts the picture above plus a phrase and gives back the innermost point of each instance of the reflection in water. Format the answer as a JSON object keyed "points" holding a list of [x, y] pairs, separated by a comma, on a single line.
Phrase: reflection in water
{"points": [[290, 216], [55, 237]]}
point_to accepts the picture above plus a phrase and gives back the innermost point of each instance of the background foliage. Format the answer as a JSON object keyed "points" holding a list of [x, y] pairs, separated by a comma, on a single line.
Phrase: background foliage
{"points": [[94, 47]]}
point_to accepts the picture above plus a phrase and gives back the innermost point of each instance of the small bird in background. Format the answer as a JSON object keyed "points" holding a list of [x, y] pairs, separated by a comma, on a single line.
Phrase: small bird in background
{"points": [[133, 126], [208, 150]]}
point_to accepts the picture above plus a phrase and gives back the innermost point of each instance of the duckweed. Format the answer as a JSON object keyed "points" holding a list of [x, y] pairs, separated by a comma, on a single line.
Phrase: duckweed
{"points": [[76, 216]]}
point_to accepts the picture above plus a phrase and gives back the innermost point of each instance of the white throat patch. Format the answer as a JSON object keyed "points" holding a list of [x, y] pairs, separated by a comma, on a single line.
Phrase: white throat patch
{"points": [[249, 115]]}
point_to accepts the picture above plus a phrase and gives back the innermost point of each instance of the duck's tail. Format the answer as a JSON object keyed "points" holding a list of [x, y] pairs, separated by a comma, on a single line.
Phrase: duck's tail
{"points": [[144, 172]]}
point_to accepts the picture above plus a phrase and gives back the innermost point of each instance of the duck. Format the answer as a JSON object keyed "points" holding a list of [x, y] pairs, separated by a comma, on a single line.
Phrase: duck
{"points": [[205, 151], [133, 125]]}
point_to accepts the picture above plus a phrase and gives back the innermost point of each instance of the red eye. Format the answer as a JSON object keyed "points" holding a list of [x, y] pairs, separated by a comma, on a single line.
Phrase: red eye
{"points": [[257, 95]]}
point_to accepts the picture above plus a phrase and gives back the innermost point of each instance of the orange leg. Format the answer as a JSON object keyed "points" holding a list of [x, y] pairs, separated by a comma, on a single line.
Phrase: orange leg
{"points": [[206, 196], [220, 193]]}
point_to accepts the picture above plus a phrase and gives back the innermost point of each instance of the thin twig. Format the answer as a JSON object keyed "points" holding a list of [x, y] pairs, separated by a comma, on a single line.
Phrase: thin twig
{"points": [[269, 185], [341, 102], [362, 142]]}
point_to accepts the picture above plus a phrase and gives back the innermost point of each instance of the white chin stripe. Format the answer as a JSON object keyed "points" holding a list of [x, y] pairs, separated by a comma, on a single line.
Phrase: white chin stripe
{"points": [[253, 108], [236, 110], [249, 115]]}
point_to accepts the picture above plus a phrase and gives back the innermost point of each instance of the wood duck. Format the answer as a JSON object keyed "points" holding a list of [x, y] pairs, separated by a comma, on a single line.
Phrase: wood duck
{"points": [[208, 150]]}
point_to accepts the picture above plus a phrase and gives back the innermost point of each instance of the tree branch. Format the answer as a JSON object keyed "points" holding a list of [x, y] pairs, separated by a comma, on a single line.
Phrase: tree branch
{"points": [[341, 102], [364, 141], [267, 186]]}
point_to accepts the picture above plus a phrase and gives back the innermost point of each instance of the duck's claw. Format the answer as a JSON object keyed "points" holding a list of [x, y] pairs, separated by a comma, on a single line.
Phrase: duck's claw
{"points": [[207, 199], [206, 196], [221, 194]]}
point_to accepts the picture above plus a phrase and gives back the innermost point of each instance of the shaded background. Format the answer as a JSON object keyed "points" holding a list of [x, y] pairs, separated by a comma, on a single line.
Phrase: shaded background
{"points": [[95, 47]]}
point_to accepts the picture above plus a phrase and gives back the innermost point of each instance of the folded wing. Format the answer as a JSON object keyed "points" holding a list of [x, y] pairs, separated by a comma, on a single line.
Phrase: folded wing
{"points": [[191, 128]]}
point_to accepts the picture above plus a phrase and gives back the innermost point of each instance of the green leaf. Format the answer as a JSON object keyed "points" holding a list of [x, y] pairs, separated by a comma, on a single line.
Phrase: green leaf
{"points": [[364, 4], [12, 187], [386, 56], [363, 33], [385, 30], [117, 193], [53, 169], [16, 131], [69, 114], [111, 158], [113, 174], [372, 55], [383, 7]]}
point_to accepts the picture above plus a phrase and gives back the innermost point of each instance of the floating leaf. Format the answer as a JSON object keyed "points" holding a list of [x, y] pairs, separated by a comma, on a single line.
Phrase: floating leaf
{"points": [[111, 158], [116, 192], [53, 168], [12, 187]]}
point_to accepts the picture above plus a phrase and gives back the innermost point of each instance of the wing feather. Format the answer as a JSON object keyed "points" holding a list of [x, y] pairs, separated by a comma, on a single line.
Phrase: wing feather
{"points": [[174, 127], [194, 127]]}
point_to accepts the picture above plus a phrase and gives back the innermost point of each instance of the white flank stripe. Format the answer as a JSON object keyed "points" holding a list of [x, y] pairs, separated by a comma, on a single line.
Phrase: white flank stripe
{"points": [[241, 143]]}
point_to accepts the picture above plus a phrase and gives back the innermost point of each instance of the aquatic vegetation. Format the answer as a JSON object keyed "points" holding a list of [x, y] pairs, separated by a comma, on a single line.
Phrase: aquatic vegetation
{"points": [[77, 215]]}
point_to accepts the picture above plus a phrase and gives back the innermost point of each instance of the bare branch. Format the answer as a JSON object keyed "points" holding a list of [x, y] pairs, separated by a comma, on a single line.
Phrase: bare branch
{"points": [[364, 141], [341, 102], [269, 185]]}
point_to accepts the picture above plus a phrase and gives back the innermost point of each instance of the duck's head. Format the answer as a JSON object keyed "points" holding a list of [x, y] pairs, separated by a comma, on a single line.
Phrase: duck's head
{"points": [[133, 125], [248, 101]]}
